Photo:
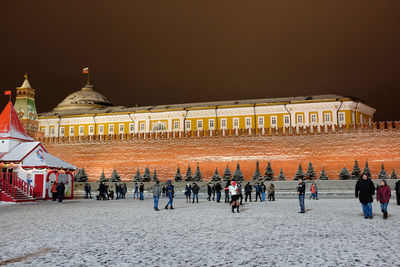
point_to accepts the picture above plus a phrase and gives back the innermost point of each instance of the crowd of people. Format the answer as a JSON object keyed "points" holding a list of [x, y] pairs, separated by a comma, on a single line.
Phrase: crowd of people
{"points": [[233, 192]]}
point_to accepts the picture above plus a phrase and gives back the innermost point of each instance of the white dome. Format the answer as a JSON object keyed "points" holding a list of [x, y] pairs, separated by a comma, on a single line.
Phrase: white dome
{"points": [[83, 99]]}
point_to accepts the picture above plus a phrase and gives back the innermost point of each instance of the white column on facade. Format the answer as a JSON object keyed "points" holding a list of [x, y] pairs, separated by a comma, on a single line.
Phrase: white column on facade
{"points": [[306, 118]]}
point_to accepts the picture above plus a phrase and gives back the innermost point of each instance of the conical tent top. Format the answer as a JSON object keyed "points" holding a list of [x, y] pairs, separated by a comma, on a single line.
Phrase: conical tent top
{"points": [[10, 125]]}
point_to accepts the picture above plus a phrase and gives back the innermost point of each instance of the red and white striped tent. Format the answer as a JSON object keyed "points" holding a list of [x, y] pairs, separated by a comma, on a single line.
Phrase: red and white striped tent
{"points": [[27, 166]]}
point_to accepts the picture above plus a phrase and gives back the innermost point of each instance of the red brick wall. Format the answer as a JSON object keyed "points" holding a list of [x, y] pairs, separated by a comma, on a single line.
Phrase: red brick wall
{"points": [[333, 151]]}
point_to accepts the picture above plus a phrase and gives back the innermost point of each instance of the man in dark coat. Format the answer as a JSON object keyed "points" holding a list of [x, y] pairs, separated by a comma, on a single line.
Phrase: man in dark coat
{"points": [[301, 192], [218, 189], [398, 192], [247, 191], [209, 192], [60, 191], [141, 190], [364, 191], [169, 190], [258, 191], [195, 190]]}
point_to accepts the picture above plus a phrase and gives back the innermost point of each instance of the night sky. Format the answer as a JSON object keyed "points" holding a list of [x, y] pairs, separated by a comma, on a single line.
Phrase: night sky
{"points": [[160, 52]]}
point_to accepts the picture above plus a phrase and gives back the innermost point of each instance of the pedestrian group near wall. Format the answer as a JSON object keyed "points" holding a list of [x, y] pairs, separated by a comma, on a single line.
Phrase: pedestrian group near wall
{"points": [[364, 191]]}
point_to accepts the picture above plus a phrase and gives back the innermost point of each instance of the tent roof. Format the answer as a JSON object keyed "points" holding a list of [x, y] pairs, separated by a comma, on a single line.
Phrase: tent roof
{"points": [[10, 125], [35, 155]]}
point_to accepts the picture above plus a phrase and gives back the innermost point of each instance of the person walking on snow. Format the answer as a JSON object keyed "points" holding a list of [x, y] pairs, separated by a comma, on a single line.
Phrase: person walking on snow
{"points": [[364, 191], [156, 194], [195, 190], [263, 189], [60, 191], [258, 192], [188, 192], [54, 191], [234, 194], [383, 196], [271, 192], [213, 192], [218, 189], [228, 183], [136, 192], [209, 192], [169, 191], [398, 192], [141, 190], [301, 191], [247, 191]]}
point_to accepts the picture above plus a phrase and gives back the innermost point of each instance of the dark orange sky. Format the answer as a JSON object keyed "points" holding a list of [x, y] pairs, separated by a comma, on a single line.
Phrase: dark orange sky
{"points": [[158, 52]]}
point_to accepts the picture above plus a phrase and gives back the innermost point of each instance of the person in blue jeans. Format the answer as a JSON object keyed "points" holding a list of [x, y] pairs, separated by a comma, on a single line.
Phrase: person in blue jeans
{"points": [[136, 192], [169, 191], [364, 191], [195, 190], [301, 191], [141, 190], [263, 189], [156, 194]]}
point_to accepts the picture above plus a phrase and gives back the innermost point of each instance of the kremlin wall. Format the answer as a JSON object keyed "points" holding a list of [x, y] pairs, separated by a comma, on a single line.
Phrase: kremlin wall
{"points": [[331, 150], [330, 131]]}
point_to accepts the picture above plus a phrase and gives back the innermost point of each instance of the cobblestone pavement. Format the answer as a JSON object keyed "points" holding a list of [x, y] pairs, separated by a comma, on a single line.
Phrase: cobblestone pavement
{"points": [[332, 232]]}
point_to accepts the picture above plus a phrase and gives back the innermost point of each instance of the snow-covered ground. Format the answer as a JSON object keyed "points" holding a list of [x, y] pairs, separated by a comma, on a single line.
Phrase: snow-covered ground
{"points": [[332, 232]]}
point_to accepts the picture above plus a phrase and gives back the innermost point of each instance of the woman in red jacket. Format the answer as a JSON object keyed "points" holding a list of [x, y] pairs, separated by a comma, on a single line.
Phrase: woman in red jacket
{"points": [[383, 196]]}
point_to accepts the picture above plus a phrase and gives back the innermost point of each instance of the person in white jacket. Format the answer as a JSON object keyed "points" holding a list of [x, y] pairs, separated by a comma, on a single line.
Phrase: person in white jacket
{"points": [[234, 193]]}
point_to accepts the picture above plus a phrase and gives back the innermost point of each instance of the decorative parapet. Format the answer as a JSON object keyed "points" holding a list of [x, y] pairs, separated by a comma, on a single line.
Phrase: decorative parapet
{"points": [[226, 133]]}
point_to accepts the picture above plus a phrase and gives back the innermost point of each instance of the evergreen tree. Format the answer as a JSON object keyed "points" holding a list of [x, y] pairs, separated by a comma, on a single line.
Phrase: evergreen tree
{"points": [[393, 175], [115, 176], [366, 171], [299, 174], [356, 173], [83, 177], [382, 173], [155, 178], [323, 175], [189, 174], [146, 175], [238, 175], [103, 177], [311, 175], [216, 177], [227, 174], [257, 175], [178, 175], [77, 175], [269, 173], [281, 176], [197, 174], [138, 177], [344, 174]]}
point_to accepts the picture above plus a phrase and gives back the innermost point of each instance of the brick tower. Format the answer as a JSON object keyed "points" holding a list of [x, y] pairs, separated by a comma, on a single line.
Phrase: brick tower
{"points": [[26, 108]]}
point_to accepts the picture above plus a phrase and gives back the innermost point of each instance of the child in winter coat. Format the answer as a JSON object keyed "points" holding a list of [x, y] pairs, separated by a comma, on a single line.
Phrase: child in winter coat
{"points": [[383, 195]]}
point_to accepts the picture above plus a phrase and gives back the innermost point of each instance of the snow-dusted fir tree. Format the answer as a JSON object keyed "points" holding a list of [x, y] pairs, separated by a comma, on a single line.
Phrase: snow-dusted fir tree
{"points": [[146, 175], [311, 175], [323, 175], [227, 174], [115, 176], [299, 174], [269, 173], [367, 171], [178, 175], [103, 177], [155, 177], [257, 175], [216, 177], [83, 177], [382, 173], [189, 174], [197, 174], [76, 176], [344, 174], [238, 175], [393, 175], [281, 176], [356, 173], [138, 177]]}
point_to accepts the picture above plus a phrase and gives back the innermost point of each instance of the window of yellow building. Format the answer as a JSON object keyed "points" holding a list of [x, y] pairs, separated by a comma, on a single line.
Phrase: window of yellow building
{"points": [[300, 118], [286, 120], [342, 117], [223, 124], [248, 122], [111, 129], [313, 118], [188, 125], [131, 127], [260, 122], [81, 130], [199, 124], [274, 121], [211, 124], [72, 130], [327, 117], [101, 129], [176, 125], [235, 123], [62, 131], [121, 129], [91, 129]]}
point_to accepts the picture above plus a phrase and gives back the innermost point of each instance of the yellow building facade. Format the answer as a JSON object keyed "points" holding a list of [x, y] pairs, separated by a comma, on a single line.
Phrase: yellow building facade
{"points": [[88, 113]]}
